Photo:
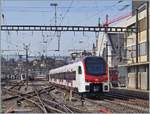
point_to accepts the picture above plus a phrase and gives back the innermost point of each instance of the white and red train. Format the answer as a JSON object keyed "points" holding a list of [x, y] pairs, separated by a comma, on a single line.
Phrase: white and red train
{"points": [[87, 75]]}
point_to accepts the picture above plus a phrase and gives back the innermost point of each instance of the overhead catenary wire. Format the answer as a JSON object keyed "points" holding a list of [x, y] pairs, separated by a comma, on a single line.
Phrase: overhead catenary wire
{"points": [[67, 11], [100, 12], [63, 17], [46, 9], [8, 36]]}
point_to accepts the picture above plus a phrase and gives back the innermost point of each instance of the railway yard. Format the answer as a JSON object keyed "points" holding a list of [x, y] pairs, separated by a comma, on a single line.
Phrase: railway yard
{"points": [[74, 56], [44, 97]]}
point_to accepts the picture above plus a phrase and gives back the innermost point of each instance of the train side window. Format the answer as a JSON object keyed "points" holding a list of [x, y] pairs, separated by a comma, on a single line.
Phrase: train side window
{"points": [[79, 70]]}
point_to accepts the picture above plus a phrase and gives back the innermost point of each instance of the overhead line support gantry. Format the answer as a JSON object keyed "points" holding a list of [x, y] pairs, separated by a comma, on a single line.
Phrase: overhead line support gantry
{"points": [[65, 28]]}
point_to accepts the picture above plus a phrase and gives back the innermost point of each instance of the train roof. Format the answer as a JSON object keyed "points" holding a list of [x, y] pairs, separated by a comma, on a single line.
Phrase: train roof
{"points": [[70, 66], [86, 57]]}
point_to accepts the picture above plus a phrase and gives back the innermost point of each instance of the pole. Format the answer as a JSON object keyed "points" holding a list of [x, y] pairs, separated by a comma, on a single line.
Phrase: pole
{"points": [[107, 52], [55, 5], [107, 55], [99, 22], [26, 47], [106, 21], [137, 29], [27, 64], [58, 43], [148, 41], [46, 48], [0, 55], [58, 36], [55, 15]]}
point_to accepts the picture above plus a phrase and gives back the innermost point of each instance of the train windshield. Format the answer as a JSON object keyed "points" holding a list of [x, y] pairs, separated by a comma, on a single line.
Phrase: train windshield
{"points": [[95, 66]]}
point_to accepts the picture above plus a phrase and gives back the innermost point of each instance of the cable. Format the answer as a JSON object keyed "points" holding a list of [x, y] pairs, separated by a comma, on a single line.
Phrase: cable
{"points": [[11, 43], [16, 10], [67, 11], [37, 7], [30, 9], [105, 9], [124, 7]]}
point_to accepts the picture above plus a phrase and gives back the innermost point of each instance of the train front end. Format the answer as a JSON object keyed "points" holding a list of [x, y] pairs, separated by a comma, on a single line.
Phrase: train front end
{"points": [[96, 74]]}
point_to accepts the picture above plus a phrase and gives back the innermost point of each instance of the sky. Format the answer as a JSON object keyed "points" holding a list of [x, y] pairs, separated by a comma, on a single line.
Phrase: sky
{"points": [[69, 12]]}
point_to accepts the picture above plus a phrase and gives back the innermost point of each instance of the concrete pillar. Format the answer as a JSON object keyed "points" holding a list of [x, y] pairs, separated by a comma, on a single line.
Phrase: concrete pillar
{"points": [[70, 95]]}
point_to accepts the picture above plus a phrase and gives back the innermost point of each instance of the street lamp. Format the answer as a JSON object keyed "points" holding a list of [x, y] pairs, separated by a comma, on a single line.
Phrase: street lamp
{"points": [[55, 5]]}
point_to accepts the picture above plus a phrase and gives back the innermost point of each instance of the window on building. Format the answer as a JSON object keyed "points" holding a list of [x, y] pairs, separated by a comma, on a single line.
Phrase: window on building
{"points": [[134, 50], [131, 69], [128, 52], [131, 51], [142, 49], [142, 25], [142, 68]]}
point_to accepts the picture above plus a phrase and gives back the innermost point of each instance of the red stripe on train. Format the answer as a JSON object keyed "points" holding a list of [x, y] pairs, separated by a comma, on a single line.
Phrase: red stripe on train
{"points": [[104, 110], [96, 79]]}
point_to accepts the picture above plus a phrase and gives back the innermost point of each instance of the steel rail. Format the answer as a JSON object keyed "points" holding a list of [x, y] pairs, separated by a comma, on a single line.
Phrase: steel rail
{"points": [[105, 102], [32, 93], [36, 103], [45, 103], [39, 98], [124, 105]]}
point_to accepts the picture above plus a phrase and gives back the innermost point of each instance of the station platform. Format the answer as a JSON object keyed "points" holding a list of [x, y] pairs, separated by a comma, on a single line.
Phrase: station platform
{"points": [[142, 94]]}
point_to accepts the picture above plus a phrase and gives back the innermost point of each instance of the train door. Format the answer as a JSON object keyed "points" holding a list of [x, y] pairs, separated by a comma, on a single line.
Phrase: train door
{"points": [[80, 79]]}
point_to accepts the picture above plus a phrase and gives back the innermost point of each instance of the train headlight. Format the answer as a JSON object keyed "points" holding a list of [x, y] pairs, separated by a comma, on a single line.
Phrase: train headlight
{"points": [[106, 87], [87, 87], [96, 80]]}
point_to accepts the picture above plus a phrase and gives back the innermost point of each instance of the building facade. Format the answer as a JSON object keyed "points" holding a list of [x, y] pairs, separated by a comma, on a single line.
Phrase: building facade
{"points": [[137, 48], [132, 57]]}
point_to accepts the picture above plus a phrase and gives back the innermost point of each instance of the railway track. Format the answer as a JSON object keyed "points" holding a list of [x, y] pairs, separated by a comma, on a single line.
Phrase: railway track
{"points": [[38, 98], [116, 103], [16, 84], [130, 94], [28, 97], [128, 99], [48, 105], [35, 100], [25, 97], [32, 93], [123, 105], [48, 101]]}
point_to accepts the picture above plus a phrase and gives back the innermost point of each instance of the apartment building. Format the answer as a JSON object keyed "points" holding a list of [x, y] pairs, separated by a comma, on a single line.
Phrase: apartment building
{"points": [[132, 57], [137, 48]]}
